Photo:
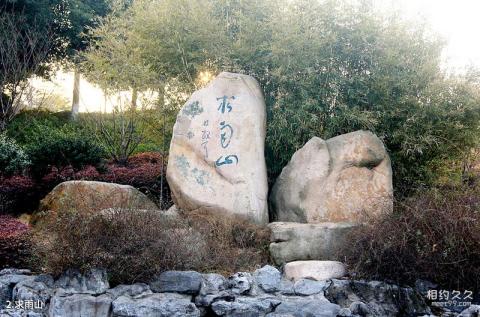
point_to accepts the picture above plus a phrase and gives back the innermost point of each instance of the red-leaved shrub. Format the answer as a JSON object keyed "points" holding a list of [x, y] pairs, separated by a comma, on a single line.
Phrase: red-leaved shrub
{"points": [[17, 194], [14, 242]]}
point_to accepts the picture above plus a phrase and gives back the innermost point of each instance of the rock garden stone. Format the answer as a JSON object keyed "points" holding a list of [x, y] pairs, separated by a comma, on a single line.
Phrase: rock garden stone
{"points": [[216, 161], [213, 287], [240, 283], [382, 299], [80, 305], [137, 289], [306, 307], [245, 306], [7, 283], [316, 270], [342, 179], [158, 305], [35, 289], [268, 278], [306, 287], [94, 281], [299, 241], [94, 196], [187, 282]]}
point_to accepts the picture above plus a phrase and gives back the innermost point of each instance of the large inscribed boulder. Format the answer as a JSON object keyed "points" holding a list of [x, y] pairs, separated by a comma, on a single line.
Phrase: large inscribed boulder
{"points": [[342, 179], [216, 161]]}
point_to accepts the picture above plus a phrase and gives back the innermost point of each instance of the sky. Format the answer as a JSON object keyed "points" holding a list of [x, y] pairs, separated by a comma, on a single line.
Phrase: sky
{"points": [[457, 21]]}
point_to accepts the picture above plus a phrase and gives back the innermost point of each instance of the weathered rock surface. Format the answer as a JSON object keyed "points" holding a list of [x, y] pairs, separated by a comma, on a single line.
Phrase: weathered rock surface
{"points": [[187, 282], [303, 307], [216, 161], [159, 305], [299, 241], [245, 306], [93, 196], [342, 179], [94, 281], [79, 305], [268, 279], [316, 270], [134, 290], [262, 293], [8, 280], [36, 289], [378, 298]]}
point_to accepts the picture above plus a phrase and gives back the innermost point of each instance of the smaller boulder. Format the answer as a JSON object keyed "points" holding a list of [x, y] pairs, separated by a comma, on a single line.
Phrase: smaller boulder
{"points": [[79, 305], [90, 196], [245, 306], [268, 278], [159, 304], [92, 282], [186, 282], [306, 287], [316, 270], [303, 241], [306, 306], [240, 283], [133, 290], [213, 288]]}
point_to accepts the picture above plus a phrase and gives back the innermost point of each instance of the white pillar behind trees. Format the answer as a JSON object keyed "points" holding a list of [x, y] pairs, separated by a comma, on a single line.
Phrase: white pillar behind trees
{"points": [[76, 94]]}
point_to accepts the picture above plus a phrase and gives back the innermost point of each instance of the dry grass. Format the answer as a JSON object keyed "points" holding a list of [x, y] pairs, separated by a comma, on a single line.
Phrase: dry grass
{"points": [[434, 236], [135, 245]]}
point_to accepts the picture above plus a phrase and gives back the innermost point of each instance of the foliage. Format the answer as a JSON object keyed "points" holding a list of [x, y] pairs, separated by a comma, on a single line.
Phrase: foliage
{"points": [[432, 236], [62, 150], [14, 242], [23, 52], [120, 132], [18, 194], [326, 68], [30, 126], [13, 158], [145, 172], [132, 245]]}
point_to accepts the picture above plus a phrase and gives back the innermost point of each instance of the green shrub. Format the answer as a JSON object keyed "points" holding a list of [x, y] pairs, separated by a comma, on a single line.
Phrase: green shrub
{"points": [[63, 150], [434, 236], [28, 126], [13, 158]]}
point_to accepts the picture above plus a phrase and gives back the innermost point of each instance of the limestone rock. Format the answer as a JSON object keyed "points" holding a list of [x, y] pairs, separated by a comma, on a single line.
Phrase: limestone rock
{"points": [[213, 287], [379, 298], [159, 304], [7, 283], [240, 283], [245, 306], [92, 282], [316, 270], [216, 161], [302, 307], [36, 289], [93, 196], [134, 290], [298, 241], [187, 282], [342, 179], [268, 278], [307, 287], [79, 305]]}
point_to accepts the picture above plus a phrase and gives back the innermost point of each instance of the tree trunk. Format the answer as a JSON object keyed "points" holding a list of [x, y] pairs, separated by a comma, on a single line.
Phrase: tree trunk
{"points": [[76, 94], [134, 99]]}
